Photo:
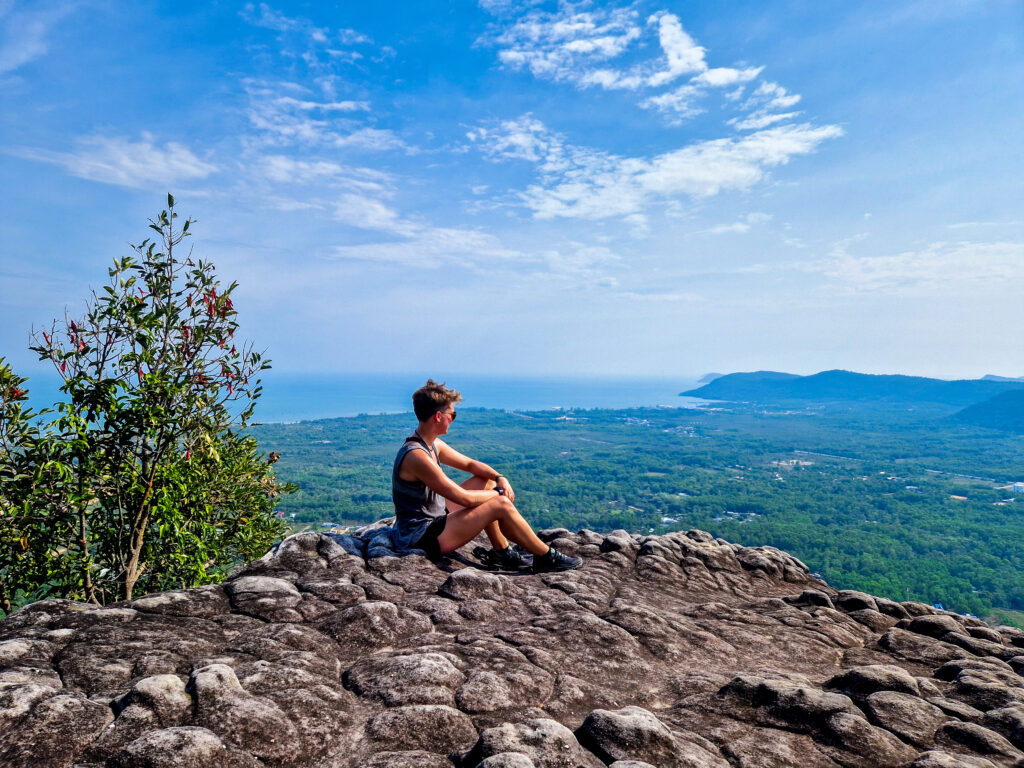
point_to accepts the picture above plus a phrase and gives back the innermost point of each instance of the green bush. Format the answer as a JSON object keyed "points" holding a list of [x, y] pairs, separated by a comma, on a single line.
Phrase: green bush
{"points": [[142, 478]]}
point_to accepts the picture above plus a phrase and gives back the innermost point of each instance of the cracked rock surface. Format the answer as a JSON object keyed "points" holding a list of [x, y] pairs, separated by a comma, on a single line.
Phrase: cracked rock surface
{"points": [[674, 651]]}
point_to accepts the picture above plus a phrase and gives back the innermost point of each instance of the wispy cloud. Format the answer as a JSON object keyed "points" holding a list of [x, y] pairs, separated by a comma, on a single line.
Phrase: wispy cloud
{"points": [[763, 107], [761, 120], [722, 77], [583, 263], [577, 182], [664, 297], [285, 114], [739, 227], [371, 212], [263, 15], [432, 247], [941, 268], [570, 45], [25, 29], [377, 139], [565, 45], [323, 106], [126, 163], [977, 224], [425, 246], [681, 103], [508, 7], [283, 169], [585, 48]]}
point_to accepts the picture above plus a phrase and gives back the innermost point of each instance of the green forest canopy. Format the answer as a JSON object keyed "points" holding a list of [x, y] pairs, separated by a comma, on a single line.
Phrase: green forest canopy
{"points": [[877, 513]]}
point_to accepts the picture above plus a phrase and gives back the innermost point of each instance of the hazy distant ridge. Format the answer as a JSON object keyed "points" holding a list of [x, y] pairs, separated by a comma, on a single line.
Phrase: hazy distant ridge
{"points": [[1004, 411], [772, 386]]}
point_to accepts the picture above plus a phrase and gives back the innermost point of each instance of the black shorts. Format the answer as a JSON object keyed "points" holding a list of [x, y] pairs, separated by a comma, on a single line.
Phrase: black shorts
{"points": [[428, 541]]}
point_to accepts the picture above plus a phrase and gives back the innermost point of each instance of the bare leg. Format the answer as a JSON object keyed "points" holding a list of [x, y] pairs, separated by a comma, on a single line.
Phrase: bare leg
{"points": [[466, 522], [493, 530]]}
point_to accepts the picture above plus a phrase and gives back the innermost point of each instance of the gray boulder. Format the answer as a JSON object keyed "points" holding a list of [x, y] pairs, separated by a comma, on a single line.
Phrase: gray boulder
{"points": [[666, 651]]}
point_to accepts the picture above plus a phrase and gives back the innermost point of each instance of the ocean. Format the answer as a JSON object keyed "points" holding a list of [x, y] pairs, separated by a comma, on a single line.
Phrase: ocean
{"points": [[291, 397], [288, 397]]}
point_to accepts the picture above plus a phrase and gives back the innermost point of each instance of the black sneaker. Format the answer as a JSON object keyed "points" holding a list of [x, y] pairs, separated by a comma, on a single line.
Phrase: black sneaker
{"points": [[555, 561], [524, 557], [511, 558]]}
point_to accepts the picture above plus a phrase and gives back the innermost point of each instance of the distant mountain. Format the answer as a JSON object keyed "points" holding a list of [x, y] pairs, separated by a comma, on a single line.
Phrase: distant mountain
{"points": [[707, 378], [770, 386], [992, 377], [1004, 411]]}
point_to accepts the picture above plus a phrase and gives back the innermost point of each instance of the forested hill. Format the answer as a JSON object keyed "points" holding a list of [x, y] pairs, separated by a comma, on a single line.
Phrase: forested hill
{"points": [[773, 387], [1005, 411]]}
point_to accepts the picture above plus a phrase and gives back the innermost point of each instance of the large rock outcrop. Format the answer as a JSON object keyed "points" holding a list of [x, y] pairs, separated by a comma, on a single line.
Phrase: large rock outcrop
{"points": [[675, 651]]}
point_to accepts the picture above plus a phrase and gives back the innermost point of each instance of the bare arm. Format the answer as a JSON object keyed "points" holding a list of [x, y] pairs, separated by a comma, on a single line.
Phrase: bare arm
{"points": [[448, 455], [419, 465]]}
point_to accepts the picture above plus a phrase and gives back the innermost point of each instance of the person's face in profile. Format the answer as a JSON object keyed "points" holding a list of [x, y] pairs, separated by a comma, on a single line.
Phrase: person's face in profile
{"points": [[445, 418]]}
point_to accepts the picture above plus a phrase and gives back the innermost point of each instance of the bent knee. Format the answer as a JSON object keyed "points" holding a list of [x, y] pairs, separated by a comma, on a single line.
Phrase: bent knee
{"points": [[505, 507]]}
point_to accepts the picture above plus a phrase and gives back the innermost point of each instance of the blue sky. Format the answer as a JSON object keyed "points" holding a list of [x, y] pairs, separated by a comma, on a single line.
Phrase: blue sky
{"points": [[654, 188]]}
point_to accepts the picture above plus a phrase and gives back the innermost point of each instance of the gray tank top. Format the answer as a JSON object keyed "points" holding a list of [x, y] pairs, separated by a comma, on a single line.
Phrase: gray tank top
{"points": [[416, 505]]}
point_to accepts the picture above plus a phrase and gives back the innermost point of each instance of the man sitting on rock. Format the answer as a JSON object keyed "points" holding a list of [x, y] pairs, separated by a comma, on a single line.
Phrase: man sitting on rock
{"points": [[484, 502]]}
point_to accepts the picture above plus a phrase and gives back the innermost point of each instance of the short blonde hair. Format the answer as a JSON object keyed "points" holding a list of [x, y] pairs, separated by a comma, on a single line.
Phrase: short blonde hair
{"points": [[431, 398]]}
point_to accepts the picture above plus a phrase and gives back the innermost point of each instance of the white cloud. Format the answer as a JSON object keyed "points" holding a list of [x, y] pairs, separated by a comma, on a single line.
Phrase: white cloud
{"points": [[283, 169], [763, 105], [352, 37], [427, 246], [432, 247], [721, 229], [581, 48], [525, 138], [580, 183], [770, 96], [286, 170], [562, 46], [739, 227], [282, 119], [679, 104], [331, 106], [315, 42], [507, 7], [664, 297], [941, 268], [24, 31], [722, 77], [761, 121], [265, 16], [288, 205], [586, 262], [376, 139], [573, 46], [125, 163], [372, 213], [414, 242], [683, 55], [972, 224], [349, 56]]}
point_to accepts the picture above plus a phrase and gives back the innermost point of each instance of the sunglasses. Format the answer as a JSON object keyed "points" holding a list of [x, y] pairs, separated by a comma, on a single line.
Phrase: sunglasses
{"points": [[451, 413]]}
